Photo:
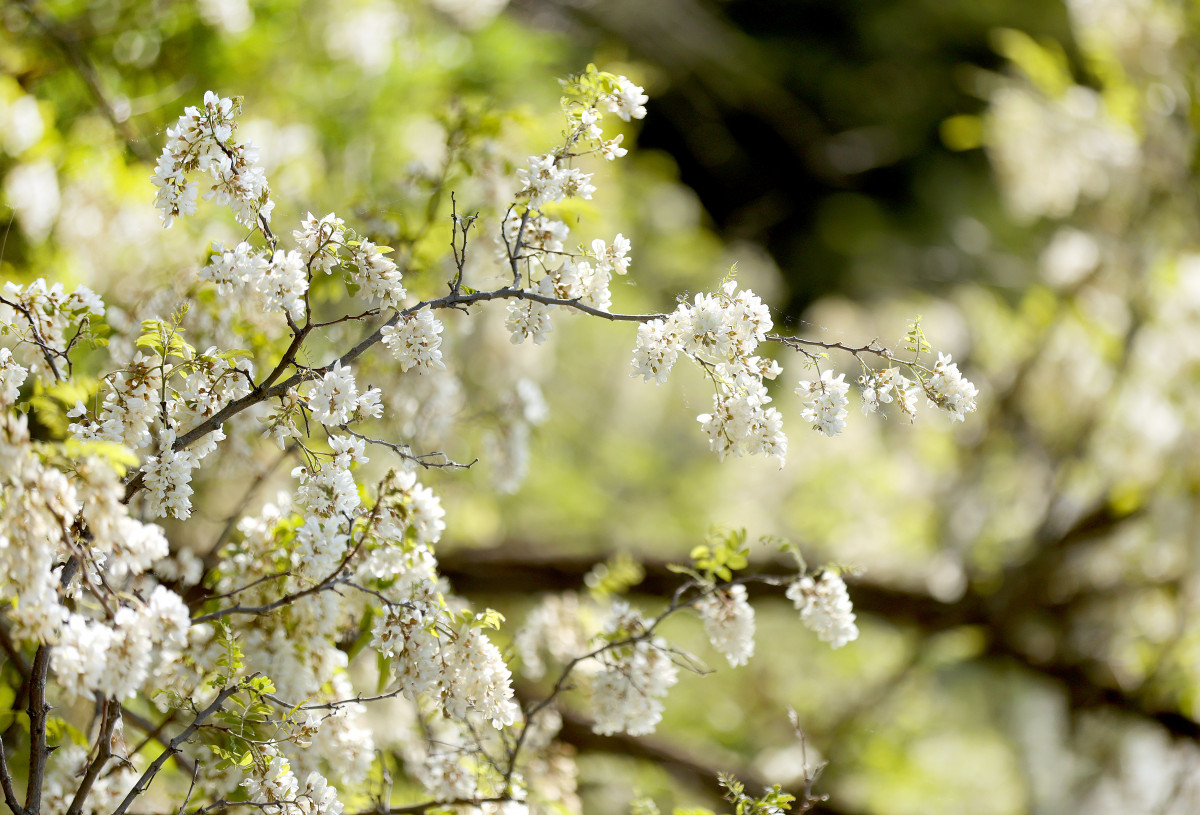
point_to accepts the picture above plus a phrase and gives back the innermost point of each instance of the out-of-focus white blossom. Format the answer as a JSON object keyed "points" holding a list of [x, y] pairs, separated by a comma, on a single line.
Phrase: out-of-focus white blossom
{"points": [[729, 622], [825, 607]]}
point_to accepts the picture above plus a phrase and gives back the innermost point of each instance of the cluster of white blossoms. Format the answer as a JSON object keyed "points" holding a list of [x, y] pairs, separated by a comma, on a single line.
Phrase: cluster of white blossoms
{"points": [[273, 787], [947, 389], [546, 182], [729, 622], [825, 402], [174, 389], [888, 385], [457, 668], [42, 315], [115, 657], [536, 241], [415, 340], [825, 607], [629, 688], [277, 281], [335, 400], [202, 142], [558, 627], [12, 377], [721, 332], [627, 100]]}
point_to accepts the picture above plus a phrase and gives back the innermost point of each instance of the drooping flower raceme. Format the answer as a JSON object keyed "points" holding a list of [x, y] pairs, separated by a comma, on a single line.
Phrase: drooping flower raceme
{"points": [[825, 607], [947, 389], [729, 622], [628, 691], [415, 340], [202, 141], [825, 402], [721, 332]]}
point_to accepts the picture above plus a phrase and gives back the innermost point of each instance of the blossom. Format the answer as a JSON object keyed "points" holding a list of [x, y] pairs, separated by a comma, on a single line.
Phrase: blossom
{"points": [[949, 390], [528, 319], [628, 101], [335, 398], [729, 622], [825, 607], [825, 402], [628, 690], [202, 141], [415, 340]]}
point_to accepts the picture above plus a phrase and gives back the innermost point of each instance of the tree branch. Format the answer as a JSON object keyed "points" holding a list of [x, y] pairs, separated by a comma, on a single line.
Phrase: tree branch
{"points": [[173, 747]]}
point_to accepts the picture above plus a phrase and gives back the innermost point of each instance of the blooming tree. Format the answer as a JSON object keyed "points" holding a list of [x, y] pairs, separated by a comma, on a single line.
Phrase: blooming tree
{"points": [[253, 668]]}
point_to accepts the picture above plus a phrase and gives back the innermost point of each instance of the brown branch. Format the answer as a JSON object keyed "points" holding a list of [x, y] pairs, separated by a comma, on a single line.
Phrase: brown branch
{"points": [[104, 752], [173, 747], [10, 794], [38, 710]]}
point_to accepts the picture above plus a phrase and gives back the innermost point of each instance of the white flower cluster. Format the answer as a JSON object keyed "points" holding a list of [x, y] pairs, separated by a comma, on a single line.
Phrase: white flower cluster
{"points": [[35, 540], [335, 400], [273, 787], [115, 657], [825, 402], [529, 319], [198, 386], [546, 182], [276, 282], [886, 386], [12, 377], [458, 668], [825, 607], [531, 237], [202, 141], [947, 389], [415, 340], [628, 690], [54, 315], [558, 627], [627, 100], [729, 622], [721, 332]]}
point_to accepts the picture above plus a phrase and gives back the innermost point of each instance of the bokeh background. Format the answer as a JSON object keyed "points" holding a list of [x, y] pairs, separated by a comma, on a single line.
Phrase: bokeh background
{"points": [[1019, 173]]}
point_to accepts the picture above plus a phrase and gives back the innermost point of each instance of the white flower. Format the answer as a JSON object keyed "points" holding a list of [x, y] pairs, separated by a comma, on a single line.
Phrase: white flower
{"points": [[319, 240], [947, 389], [729, 622], [612, 148], [628, 690], [825, 402], [415, 340], [628, 100], [12, 376], [825, 608], [656, 351], [378, 275], [479, 679], [528, 319], [335, 398]]}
